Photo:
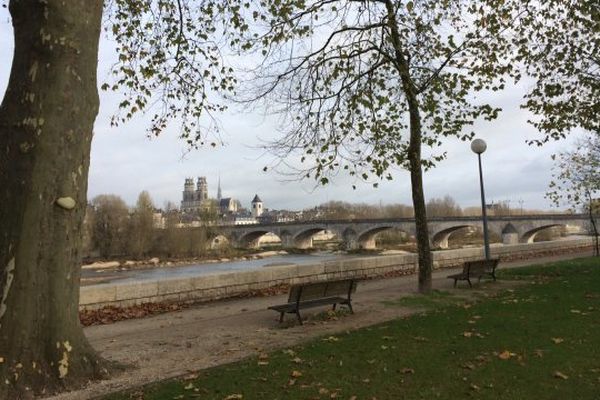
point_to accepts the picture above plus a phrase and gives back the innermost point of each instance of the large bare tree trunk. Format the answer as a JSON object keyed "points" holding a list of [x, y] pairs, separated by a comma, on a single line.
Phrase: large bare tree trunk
{"points": [[46, 120], [414, 155]]}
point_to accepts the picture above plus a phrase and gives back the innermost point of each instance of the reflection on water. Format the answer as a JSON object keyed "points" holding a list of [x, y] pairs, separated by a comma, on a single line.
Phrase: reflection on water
{"points": [[187, 271]]}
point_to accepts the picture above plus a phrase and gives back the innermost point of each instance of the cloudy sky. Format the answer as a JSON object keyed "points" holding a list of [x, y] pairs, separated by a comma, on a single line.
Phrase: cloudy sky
{"points": [[125, 161]]}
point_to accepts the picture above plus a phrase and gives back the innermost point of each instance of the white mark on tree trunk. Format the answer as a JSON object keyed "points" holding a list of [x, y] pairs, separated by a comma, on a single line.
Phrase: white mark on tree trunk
{"points": [[33, 71], [9, 278], [25, 147], [66, 202], [44, 36], [63, 364]]}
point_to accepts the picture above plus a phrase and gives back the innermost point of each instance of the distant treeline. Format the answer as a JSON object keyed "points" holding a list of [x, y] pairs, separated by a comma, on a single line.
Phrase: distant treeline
{"points": [[112, 229]]}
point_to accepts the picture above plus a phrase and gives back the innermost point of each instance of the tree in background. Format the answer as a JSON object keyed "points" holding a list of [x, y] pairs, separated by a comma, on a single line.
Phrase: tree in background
{"points": [[558, 41], [576, 181], [141, 226], [335, 209], [363, 86], [444, 207], [110, 225]]}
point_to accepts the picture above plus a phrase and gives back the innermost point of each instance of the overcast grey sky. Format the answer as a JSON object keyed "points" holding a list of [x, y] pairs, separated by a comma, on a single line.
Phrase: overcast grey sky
{"points": [[125, 161]]}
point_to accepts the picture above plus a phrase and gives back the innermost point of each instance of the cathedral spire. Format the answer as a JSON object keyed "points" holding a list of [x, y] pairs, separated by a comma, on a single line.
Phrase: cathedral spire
{"points": [[219, 196]]}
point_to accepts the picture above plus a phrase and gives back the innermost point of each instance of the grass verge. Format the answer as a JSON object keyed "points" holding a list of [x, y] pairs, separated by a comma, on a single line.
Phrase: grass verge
{"points": [[540, 341]]}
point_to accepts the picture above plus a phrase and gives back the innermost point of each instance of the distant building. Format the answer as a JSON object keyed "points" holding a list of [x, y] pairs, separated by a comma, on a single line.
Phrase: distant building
{"points": [[195, 200], [257, 206], [229, 205], [245, 221]]}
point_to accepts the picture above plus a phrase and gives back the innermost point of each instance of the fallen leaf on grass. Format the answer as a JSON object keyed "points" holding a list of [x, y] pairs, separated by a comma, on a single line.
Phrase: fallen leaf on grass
{"points": [[289, 352], [538, 353], [505, 355], [574, 311], [296, 374], [331, 339], [560, 375], [407, 371], [297, 360], [557, 340], [467, 334], [263, 363], [474, 387]]}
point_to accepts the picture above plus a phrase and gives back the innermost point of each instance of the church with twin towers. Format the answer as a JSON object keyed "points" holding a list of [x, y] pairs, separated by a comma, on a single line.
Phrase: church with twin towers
{"points": [[195, 199]]}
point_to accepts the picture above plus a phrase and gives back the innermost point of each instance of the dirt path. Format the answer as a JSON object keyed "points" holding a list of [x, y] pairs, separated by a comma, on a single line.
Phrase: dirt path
{"points": [[216, 333]]}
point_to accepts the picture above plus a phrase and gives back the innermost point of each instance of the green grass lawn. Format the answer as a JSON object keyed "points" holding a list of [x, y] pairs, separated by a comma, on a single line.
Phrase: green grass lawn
{"points": [[539, 341]]}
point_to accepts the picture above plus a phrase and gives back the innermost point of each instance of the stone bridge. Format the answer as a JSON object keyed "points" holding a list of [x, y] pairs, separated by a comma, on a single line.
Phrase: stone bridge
{"points": [[360, 233]]}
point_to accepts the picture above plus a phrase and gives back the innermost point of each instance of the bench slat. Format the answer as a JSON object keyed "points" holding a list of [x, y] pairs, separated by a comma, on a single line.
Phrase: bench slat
{"points": [[309, 303]]}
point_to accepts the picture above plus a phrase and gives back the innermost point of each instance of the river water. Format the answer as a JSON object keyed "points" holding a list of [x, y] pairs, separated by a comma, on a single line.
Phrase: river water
{"points": [[90, 277]]}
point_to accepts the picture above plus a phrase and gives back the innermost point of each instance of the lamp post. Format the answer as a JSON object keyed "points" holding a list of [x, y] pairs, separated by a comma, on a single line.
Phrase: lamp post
{"points": [[478, 146]]}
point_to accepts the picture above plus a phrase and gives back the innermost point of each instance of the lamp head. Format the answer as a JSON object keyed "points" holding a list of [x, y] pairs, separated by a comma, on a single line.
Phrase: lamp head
{"points": [[478, 146]]}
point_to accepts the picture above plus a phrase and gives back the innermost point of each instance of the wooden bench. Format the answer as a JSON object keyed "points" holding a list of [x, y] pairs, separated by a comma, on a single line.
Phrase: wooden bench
{"points": [[476, 269], [316, 294]]}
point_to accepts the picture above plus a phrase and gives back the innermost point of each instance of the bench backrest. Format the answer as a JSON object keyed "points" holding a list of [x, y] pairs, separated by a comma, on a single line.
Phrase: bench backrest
{"points": [[319, 290], [480, 266]]}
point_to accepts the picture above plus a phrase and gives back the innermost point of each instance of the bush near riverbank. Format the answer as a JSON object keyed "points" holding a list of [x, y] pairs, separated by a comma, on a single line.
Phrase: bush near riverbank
{"points": [[538, 341]]}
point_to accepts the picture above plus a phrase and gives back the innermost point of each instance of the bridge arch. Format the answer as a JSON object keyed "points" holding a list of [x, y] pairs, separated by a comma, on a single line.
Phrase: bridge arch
{"points": [[219, 241], [529, 236], [440, 239], [302, 239], [251, 239], [366, 239]]}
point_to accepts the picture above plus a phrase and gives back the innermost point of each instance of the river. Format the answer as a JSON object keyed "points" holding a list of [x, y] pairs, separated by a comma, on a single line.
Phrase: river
{"points": [[91, 277]]}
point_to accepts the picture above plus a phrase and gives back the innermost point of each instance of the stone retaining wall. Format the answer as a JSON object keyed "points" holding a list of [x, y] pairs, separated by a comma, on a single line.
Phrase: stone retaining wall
{"points": [[230, 284]]}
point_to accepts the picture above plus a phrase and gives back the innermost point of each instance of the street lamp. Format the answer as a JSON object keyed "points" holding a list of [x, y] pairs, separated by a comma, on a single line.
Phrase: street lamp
{"points": [[478, 146]]}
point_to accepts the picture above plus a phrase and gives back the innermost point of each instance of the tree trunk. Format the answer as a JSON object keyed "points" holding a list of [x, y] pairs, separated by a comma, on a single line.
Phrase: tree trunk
{"points": [[46, 120], [594, 226], [418, 197], [414, 156]]}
